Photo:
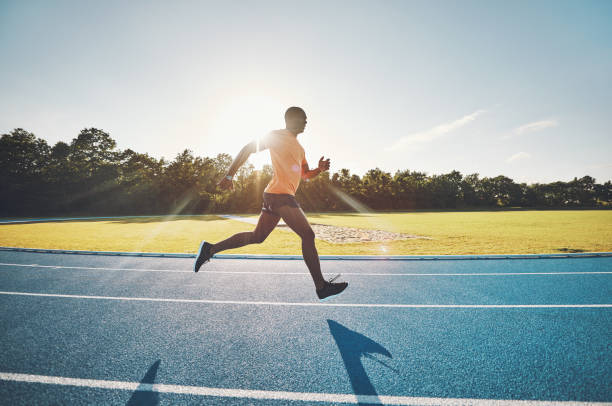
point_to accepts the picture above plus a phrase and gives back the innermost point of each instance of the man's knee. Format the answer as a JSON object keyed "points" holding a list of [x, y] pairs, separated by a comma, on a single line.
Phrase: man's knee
{"points": [[308, 235], [258, 238]]}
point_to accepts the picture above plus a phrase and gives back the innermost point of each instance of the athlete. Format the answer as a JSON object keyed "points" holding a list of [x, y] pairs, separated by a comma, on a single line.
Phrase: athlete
{"points": [[290, 166]]}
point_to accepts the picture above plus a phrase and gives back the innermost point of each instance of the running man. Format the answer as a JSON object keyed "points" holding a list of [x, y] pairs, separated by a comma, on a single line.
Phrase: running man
{"points": [[290, 166]]}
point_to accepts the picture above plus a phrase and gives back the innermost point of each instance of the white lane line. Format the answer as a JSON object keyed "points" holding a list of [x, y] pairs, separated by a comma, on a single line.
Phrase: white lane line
{"points": [[309, 304], [97, 268], [276, 395], [307, 274]]}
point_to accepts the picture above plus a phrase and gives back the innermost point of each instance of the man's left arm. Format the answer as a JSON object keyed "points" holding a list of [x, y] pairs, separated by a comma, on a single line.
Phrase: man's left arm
{"points": [[308, 173]]}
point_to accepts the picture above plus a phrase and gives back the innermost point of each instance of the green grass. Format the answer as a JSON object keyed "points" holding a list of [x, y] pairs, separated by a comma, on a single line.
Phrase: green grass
{"points": [[473, 232]]}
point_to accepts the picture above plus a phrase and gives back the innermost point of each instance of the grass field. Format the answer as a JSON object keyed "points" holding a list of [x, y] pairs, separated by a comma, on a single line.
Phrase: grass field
{"points": [[485, 232]]}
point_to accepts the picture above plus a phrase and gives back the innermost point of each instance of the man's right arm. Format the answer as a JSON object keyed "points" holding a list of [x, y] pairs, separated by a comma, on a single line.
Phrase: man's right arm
{"points": [[241, 158]]}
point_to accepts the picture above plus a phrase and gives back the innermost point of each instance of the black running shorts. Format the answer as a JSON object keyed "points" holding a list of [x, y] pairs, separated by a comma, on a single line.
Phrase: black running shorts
{"points": [[272, 201]]}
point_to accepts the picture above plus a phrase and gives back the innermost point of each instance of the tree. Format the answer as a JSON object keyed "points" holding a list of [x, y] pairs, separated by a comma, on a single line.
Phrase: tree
{"points": [[139, 183], [582, 191], [469, 184], [90, 176], [411, 189], [22, 155], [505, 191], [93, 164], [22, 161], [603, 193], [92, 150], [446, 189], [377, 190]]}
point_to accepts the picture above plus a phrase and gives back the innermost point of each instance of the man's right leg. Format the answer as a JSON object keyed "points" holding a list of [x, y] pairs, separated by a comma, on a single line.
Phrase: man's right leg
{"points": [[265, 225], [294, 217], [267, 222]]}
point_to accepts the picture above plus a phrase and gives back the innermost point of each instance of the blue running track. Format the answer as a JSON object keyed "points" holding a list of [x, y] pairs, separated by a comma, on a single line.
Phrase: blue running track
{"points": [[85, 329]]}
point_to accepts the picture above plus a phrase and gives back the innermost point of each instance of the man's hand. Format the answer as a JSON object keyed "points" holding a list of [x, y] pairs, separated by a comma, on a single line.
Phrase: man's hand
{"points": [[226, 183], [323, 164]]}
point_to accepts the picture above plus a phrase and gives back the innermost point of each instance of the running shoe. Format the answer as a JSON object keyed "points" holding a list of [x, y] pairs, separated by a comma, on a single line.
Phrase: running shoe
{"points": [[331, 288], [203, 257]]}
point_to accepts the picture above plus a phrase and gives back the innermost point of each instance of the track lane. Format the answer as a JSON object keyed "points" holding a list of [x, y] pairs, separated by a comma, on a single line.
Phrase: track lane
{"points": [[542, 354], [491, 354], [499, 289]]}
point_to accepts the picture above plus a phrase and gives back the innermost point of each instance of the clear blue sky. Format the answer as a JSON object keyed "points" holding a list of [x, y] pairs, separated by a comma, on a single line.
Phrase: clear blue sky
{"points": [[520, 88]]}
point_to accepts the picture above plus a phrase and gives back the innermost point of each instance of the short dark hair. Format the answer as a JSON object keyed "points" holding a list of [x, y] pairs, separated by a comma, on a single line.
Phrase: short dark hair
{"points": [[294, 112]]}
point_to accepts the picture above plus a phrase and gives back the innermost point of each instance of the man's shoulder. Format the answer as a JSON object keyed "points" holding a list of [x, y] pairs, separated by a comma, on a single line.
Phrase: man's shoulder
{"points": [[269, 140], [274, 136], [278, 132]]}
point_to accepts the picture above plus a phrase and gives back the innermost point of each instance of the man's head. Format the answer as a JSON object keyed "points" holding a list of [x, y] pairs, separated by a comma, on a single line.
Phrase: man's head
{"points": [[295, 120]]}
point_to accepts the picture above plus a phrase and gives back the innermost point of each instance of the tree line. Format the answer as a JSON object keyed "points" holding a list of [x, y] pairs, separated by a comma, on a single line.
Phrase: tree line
{"points": [[90, 176]]}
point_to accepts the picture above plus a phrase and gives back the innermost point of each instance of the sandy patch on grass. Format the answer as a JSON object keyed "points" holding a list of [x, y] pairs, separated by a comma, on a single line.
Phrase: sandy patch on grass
{"points": [[343, 235]]}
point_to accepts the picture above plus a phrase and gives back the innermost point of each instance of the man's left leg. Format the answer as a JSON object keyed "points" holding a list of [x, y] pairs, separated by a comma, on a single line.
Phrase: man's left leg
{"points": [[294, 217]]}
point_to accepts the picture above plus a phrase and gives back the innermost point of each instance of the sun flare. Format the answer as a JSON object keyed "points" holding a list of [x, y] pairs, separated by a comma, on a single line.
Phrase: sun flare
{"points": [[243, 118]]}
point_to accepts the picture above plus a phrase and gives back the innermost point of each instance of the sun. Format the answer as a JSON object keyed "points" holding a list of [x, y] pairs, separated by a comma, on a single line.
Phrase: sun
{"points": [[242, 118]]}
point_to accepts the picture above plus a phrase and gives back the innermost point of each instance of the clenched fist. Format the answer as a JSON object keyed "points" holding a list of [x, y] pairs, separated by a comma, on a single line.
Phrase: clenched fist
{"points": [[323, 164]]}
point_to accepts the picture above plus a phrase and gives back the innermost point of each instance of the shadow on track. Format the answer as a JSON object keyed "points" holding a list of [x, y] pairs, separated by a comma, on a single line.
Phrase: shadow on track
{"points": [[353, 346], [143, 395]]}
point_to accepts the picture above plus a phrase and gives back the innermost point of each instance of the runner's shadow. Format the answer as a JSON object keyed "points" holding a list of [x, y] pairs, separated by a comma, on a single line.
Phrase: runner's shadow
{"points": [[143, 394], [353, 346]]}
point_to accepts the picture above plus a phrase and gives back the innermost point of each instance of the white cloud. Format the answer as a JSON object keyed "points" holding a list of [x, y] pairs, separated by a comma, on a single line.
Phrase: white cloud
{"points": [[434, 132], [518, 156], [535, 126]]}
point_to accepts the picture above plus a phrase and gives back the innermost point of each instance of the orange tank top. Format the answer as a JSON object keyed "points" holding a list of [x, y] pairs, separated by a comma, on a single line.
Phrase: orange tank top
{"points": [[287, 157]]}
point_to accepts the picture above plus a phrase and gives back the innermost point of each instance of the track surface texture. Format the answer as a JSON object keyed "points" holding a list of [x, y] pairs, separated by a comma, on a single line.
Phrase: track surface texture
{"points": [[83, 329]]}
